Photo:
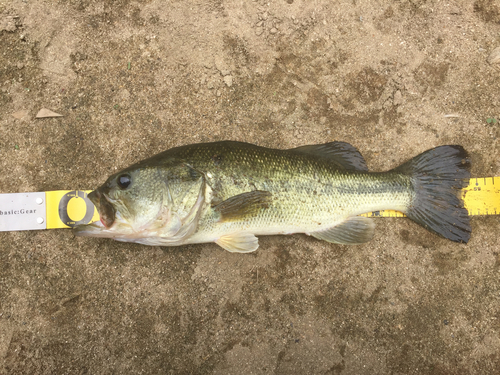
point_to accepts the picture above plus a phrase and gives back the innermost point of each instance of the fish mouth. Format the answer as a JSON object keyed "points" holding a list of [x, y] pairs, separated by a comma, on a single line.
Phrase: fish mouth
{"points": [[107, 214], [106, 211]]}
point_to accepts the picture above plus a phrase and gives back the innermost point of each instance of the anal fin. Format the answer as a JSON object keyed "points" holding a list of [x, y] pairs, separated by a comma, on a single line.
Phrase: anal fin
{"points": [[355, 230], [241, 242]]}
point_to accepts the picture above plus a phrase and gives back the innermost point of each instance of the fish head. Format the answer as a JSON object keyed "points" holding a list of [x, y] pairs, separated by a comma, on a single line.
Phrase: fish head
{"points": [[128, 203], [141, 203]]}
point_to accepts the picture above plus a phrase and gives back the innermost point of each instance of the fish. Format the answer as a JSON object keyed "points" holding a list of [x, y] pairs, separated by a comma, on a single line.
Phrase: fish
{"points": [[230, 192]]}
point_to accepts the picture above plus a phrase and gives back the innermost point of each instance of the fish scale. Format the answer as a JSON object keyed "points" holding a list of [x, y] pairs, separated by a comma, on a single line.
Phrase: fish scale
{"points": [[293, 179]]}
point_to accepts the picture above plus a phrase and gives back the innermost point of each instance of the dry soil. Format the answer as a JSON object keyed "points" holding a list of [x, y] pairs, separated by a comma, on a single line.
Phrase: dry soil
{"points": [[133, 78]]}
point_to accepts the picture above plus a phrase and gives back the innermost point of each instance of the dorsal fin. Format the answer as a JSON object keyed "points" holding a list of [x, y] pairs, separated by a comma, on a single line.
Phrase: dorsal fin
{"points": [[341, 154]]}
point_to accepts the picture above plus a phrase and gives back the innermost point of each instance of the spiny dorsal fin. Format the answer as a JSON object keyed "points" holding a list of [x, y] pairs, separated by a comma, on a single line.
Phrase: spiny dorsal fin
{"points": [[355, 230], [342, 154], [242, 205], [238, 242]]}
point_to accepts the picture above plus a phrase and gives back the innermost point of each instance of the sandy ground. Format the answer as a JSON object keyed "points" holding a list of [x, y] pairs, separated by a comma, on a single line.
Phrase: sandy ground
{"points": [[133, 78]]}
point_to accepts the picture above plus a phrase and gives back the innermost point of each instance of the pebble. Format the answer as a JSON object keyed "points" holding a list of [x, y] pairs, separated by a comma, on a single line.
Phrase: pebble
{"points": [[44, 112], [494, 57], [207, 63], [398, 98], [228, 80], [221, 66], [20, 114], [8, 23]]}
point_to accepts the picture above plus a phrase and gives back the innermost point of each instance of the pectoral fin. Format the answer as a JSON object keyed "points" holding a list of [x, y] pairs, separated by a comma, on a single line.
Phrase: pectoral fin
{"points": [[238, 242], [243, 205], [355, 230]]}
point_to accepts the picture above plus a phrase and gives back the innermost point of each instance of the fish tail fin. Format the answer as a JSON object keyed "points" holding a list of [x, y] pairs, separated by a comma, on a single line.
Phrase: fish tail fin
{"points": [[437, 177]]}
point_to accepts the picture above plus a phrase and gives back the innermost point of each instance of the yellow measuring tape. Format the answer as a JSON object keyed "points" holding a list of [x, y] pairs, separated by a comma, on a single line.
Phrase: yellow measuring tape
{"points": [[481, 197], [67, 208]]}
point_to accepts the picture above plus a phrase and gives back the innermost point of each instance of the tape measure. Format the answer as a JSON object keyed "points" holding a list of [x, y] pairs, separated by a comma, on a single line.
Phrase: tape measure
{"points": [[481, 197], [67, 208], [46, 210]]}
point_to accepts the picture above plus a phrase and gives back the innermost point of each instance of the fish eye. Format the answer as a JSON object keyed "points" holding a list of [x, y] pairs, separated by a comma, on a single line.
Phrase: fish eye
{"points": [[124, 181]]}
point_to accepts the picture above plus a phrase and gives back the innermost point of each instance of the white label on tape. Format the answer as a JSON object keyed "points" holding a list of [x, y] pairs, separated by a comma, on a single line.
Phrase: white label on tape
{"points": [[22, 211]]}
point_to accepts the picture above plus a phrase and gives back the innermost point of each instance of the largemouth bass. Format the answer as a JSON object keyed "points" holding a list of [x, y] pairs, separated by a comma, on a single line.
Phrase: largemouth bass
{"points": [[230, 192]]}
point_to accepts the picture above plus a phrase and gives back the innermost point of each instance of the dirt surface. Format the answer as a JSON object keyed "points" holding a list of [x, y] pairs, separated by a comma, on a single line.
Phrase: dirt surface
{"points": [[133, 78]]}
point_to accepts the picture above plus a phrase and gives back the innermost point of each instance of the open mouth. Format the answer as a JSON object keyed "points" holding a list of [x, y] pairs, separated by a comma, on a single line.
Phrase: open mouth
{"points": [[104, 207]]}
